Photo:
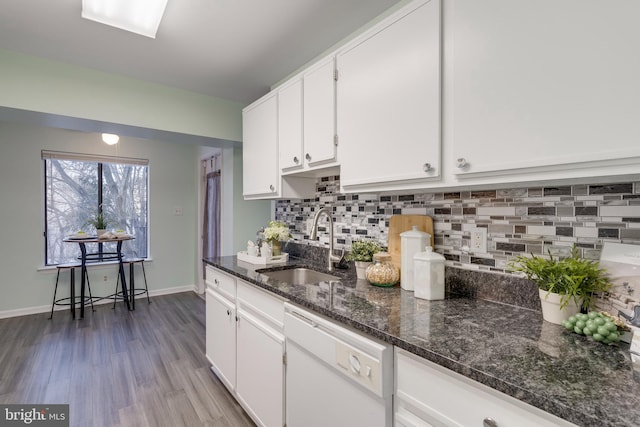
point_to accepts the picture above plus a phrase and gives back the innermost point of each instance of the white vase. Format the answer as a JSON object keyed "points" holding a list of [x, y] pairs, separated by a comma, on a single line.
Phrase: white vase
{"points": [[100, 231], [361, 268], [551, 311]]}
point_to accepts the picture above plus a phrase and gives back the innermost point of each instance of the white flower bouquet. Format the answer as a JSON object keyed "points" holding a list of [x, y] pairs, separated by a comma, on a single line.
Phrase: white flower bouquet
{"points": [[277, 231]]}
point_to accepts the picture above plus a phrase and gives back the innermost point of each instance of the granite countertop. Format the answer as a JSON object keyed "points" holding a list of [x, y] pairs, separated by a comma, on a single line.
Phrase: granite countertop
{"points": [[508, 348]]}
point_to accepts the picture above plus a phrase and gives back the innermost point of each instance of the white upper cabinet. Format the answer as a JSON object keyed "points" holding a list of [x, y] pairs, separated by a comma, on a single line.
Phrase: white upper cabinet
{"points": [[319, 106], [545, 87], [260, 171], [388, 103], [290, 126], [260, 147], [306, 120]]}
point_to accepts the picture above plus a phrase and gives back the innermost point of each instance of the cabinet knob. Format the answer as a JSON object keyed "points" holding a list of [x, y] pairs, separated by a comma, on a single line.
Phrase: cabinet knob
{"points": [[216, 281], [489, 422], [228, 313], [461, 163], [272, 188], [296, 160], [426, 167], [308, 157]]}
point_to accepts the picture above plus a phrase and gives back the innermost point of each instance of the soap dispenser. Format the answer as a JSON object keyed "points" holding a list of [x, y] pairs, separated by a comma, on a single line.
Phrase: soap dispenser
{"points": [[429, 275], [411, 242]]}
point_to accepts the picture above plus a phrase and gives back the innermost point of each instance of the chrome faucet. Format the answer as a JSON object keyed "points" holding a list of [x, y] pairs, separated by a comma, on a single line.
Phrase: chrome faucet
{"points": [[314, 235]]}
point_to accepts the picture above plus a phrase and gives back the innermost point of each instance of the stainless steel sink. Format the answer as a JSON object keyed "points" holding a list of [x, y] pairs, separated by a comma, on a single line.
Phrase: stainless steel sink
{"points": [[299, 276]]}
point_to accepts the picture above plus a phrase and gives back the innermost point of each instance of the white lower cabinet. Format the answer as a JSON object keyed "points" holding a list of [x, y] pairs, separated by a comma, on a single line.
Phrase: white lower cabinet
{"points": [[245, 345], [429, 395], [221, 330]]}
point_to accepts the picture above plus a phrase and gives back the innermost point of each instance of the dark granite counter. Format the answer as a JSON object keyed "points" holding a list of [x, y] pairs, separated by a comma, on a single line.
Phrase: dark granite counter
{"points": [[508, 348]]}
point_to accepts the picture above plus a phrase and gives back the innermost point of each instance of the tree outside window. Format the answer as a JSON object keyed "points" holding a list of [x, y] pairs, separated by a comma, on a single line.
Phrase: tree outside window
{"points": [[77, 189]]}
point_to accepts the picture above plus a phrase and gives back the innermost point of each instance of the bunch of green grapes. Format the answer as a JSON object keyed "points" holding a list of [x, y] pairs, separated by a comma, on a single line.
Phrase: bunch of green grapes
{"points": [[600, 326]]}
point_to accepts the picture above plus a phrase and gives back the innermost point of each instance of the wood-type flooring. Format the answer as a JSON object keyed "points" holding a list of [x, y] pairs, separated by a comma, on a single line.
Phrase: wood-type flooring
{"points": [[118, 368]]}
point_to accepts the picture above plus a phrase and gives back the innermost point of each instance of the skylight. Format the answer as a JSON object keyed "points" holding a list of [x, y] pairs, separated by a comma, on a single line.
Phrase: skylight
{"points": [[137, 16]]}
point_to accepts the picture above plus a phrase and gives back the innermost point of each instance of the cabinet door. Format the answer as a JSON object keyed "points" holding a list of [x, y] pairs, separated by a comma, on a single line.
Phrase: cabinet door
{"points": [[260, 148], [389, 102], [544, 86], [434, 405], [319, 114], [260, 385], [221, 337], [405, 418], [290, 126]]}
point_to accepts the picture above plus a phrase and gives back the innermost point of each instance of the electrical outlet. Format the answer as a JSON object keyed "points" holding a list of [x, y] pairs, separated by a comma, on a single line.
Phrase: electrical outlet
{"points": [[104, 279], [479, 240]]}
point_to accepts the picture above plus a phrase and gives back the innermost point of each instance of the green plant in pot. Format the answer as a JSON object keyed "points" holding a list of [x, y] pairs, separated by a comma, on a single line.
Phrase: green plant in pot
{"points": [[362, 254], [99, 222], [566, 284]]}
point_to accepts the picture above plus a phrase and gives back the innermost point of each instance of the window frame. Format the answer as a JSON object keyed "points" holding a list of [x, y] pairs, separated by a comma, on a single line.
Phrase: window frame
{"points": [[100, 160]]}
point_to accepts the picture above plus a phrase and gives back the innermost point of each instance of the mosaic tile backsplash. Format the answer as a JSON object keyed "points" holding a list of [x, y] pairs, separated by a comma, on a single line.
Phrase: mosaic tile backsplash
{"points": [[518, 220]]}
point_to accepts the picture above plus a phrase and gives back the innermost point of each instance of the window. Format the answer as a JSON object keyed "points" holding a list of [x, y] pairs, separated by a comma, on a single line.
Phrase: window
{"points": [[78, 186]]}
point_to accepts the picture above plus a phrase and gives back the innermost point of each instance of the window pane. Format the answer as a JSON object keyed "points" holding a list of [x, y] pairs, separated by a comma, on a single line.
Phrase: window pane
{"points": [[124, 202], [71, 198]]}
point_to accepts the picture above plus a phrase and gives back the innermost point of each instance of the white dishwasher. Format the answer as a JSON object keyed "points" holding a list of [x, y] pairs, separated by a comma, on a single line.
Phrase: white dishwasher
{"points": [[335, 377]]}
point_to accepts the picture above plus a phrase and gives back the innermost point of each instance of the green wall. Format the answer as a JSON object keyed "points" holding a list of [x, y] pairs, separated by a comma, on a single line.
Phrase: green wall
{"points": [[53, 88]]}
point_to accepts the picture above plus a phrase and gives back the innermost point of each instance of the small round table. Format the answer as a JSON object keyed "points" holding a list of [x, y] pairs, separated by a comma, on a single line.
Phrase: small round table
{"points": [[82, 241]]}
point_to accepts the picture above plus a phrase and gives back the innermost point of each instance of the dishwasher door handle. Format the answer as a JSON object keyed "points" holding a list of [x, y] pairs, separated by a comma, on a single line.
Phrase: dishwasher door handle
{"points": [[304, 318]]}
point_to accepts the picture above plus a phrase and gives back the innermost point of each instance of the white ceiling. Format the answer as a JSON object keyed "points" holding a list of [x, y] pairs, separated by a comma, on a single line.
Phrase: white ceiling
{"points": [[233, 49]]}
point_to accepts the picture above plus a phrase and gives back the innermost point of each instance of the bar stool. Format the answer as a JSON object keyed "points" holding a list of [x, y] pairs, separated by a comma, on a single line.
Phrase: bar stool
{"points": [[133, 291], [72, 283]]}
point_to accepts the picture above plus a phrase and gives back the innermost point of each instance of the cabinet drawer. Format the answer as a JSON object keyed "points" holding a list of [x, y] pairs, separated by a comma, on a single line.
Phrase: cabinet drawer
{"points": [[221, 282], [268, 307], [435, 394]]}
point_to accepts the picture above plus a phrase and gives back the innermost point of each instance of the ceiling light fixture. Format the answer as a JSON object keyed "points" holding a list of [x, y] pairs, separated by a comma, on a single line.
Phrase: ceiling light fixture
{"points": [[138, 16], [110, 139]]}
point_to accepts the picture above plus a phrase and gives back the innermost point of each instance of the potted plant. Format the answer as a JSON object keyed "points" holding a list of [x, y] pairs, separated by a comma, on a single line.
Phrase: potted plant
{"points": [[275, 234], [99, 222], [565, 284], [362, 254]]}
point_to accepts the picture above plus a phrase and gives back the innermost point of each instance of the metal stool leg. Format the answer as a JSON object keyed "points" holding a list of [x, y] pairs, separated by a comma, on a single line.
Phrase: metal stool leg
{"points": [[115, 295], [90, 296], [144, 274], [55, 291]]}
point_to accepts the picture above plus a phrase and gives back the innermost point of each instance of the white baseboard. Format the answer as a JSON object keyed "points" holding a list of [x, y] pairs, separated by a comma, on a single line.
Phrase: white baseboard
{"points": [[47, 308]]}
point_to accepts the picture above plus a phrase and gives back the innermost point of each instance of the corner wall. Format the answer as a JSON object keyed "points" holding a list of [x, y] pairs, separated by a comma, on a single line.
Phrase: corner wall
{"points": [[24, 287]]}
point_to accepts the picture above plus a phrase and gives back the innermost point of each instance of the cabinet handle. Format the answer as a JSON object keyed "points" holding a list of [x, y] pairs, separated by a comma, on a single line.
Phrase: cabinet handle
{"points": [[308, 157], [272, 188], [216, 281], [461, 163], [489, 422], [296, 160], [426, 167]]}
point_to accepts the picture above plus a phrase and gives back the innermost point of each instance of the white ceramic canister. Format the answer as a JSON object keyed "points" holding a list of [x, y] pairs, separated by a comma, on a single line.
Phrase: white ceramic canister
{"points": [[411, 242], [429, 275]]}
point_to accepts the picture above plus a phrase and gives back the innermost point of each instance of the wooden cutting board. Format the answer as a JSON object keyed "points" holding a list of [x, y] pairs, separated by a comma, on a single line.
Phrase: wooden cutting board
{"points": [[401, 223]]}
